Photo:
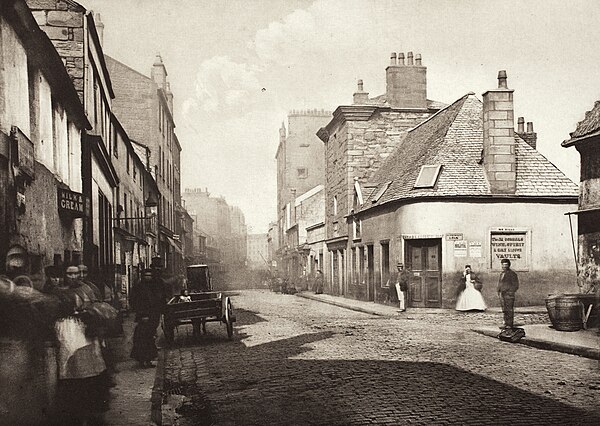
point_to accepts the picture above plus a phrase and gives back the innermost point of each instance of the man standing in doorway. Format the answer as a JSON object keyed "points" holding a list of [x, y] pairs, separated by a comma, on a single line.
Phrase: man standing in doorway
{"points": [[508, 284]]}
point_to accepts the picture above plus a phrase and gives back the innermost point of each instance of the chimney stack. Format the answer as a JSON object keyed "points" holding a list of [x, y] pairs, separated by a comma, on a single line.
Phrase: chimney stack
{"points": [[406, 84], [499, 157], [159, 72], [528, 136], [360, 96], [99, 28], [169, 98]]}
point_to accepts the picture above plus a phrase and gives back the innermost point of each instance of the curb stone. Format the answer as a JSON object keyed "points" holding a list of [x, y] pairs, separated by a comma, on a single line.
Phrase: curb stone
{"points": [[341, 305], [157, 389], [551, 346]]}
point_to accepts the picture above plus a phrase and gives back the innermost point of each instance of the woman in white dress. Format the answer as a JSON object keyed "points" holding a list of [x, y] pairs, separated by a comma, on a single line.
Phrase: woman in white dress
{"points": [[470, 299]]}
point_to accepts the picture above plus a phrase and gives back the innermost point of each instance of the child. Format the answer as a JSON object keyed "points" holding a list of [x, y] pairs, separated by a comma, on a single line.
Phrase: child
{"points": [[185, 296]]}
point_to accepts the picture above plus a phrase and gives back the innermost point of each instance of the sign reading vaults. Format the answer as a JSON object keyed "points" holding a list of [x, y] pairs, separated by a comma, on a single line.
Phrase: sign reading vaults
{"points": [[512, 246]]}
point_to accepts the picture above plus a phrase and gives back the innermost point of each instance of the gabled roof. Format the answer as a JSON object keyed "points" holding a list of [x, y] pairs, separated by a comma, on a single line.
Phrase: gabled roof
{"points": [[453, 139], [586, 128]]}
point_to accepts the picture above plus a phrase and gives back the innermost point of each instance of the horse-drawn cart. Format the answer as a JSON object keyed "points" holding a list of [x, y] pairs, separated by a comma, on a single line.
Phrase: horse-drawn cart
{"points": [[204, 307]]}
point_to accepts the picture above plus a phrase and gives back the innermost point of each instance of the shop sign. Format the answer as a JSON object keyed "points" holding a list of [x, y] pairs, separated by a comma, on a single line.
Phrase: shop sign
{"points": [[72, 203], [455, 236], [512, 246]]}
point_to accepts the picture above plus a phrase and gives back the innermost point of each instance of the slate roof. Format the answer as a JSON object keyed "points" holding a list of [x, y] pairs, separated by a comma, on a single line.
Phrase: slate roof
{"points": [[453, 138], [586, 128]]}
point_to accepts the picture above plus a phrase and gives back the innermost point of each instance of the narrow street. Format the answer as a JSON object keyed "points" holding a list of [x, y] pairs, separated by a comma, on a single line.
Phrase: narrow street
{"points": [[297, 361]]}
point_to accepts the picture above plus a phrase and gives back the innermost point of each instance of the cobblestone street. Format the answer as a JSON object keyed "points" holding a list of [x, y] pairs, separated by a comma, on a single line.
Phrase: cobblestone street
{"points": [[298, 361]]}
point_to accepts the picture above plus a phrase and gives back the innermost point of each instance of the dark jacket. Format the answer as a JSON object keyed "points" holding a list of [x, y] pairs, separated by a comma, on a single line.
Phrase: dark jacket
{"points": [[508, 282], [148, 298]]}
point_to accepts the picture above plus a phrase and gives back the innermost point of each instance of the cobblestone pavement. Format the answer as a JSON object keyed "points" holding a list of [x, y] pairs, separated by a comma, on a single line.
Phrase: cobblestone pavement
{"points": [[295, 361]]}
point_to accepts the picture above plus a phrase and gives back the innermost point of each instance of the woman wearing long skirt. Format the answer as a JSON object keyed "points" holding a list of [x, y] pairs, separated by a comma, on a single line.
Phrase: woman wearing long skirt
{"points": [[148, 301], [470, 299]]}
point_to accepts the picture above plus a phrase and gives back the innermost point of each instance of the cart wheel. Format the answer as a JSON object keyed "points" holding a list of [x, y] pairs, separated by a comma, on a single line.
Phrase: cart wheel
{"points": [[228, 317]]}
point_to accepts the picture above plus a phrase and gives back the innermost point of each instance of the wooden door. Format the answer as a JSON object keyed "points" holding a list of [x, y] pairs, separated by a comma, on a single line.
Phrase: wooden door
{"points": [[423, 258]]}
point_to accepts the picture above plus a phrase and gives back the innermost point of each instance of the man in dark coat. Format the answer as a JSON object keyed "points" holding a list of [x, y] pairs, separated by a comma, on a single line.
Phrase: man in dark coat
{"points": [[508, 284]]}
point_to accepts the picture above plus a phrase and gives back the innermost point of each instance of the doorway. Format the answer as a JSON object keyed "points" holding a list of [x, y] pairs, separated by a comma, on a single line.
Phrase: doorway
{"points": [[370, 274], [423, 258]]}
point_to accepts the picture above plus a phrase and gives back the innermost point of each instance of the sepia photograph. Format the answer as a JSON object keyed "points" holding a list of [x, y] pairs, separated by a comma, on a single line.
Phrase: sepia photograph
{"points": [[299, 212]]}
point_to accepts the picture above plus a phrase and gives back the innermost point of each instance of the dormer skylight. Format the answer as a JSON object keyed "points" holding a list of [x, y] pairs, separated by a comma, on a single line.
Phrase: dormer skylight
{"points": [[428, 176], [381, 191]]}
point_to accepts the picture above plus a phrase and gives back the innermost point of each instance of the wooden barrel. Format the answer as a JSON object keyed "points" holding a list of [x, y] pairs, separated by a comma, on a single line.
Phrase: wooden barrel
{"points": [[567, 313], [551, 307]]}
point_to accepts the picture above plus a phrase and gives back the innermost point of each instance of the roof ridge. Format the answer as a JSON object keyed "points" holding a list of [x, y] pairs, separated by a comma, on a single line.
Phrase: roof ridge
{"points": [[439, 111], [128, 67]]}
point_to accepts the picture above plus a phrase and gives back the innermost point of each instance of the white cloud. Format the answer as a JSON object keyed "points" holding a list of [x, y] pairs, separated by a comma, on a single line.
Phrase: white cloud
{"points": [[222, 83]]}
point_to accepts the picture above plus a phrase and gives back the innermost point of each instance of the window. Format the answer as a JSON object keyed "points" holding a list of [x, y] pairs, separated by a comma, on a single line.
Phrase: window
{"points": [[115, 142], [335, 205], [356, 228], [428, 176], [302, 172], [128, 161], [385, 263]]}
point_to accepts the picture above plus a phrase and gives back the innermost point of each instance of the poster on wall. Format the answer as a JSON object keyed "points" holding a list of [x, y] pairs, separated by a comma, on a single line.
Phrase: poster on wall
{"points": [[474, 248], [460, 248], [512, 246]]}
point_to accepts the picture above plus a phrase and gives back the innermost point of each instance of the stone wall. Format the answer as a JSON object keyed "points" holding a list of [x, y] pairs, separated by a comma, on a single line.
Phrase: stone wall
{"points": [[63, 24]]}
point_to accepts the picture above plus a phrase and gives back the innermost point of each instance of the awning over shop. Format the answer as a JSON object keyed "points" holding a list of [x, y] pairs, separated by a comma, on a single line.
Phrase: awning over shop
{"points": [[174, 244]]}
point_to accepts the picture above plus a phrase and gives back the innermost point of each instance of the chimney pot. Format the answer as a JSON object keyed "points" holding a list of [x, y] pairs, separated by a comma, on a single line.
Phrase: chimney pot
{"points": [[409, 58], [502, 79], [393, 58], [401, 58], [418, 59], [529, 127], [520, 125], [360, 85]]}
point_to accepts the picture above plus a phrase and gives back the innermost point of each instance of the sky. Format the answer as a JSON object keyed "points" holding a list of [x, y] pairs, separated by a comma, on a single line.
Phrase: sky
{"points": [[237, 67]]}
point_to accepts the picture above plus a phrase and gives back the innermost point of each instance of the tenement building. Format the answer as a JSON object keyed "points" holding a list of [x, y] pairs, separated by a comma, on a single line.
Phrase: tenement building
{"points": [[357, 140], [41, 126], [145, 107], [585, 138], [462, 187], [300, 168], [73, 32]]}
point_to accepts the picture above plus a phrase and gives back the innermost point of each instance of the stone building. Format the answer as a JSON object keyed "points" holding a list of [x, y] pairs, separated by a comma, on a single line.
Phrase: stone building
{"points": [[300, 159], [145, 107], [77, 38], [134, 236], [258, 251], [41, 126], [585, 138], [358, 139], [462, 187], [302, 215], [223, 224]]}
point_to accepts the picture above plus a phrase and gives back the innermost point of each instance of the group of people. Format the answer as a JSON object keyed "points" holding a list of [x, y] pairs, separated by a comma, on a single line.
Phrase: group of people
{"points": [[72, 310], [470, 297]]}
